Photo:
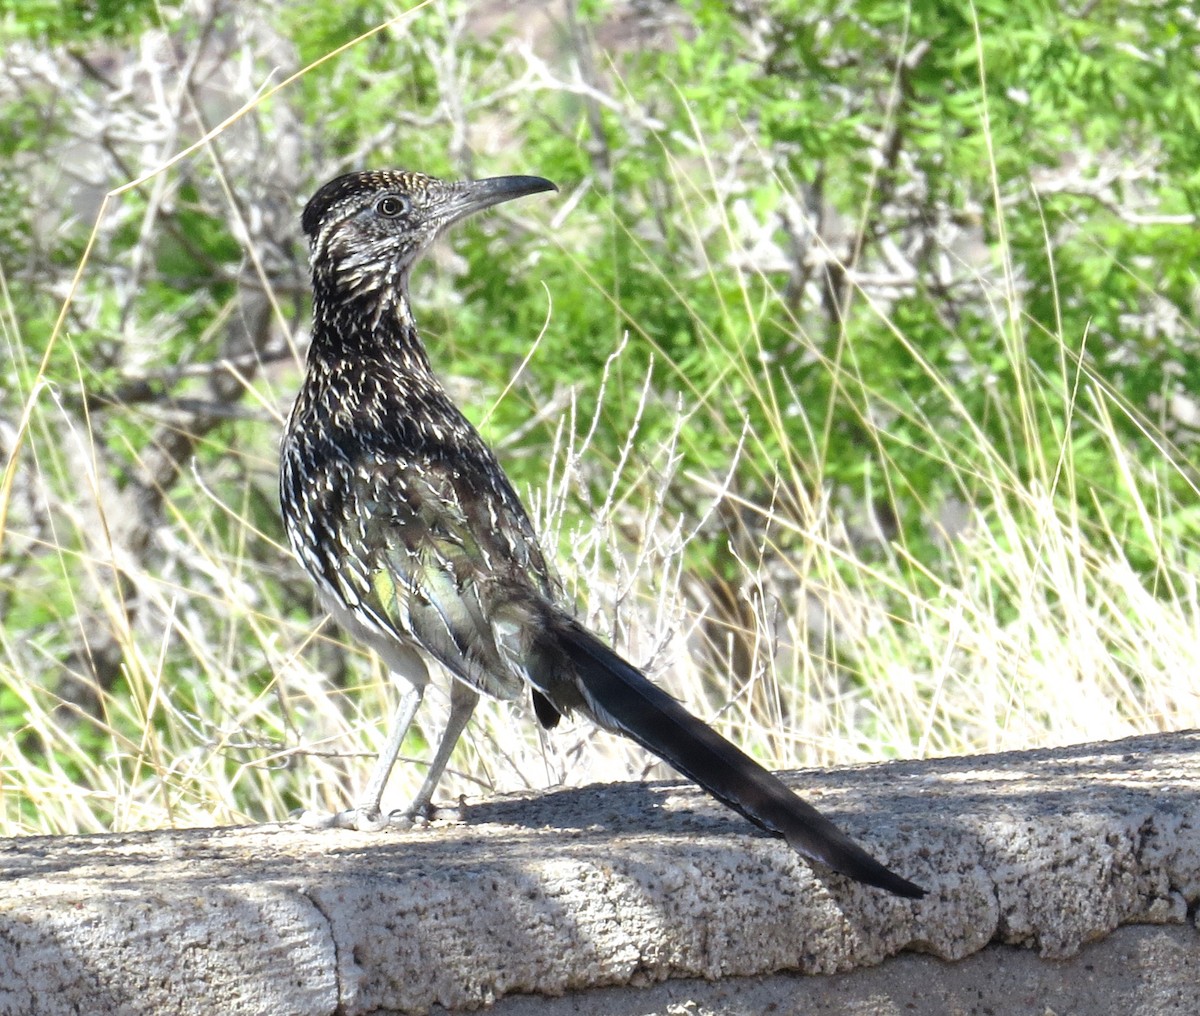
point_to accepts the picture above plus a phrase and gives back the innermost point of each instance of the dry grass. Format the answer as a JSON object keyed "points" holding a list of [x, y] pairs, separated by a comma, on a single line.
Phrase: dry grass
{"points": [[249, 725]]}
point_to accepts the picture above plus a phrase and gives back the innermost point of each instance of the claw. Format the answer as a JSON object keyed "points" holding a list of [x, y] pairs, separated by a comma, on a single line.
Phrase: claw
{"points": [[362, 820]]}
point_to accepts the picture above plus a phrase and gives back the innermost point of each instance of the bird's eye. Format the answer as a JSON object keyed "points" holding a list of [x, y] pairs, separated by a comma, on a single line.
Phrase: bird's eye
{"points": [[392, 205]]}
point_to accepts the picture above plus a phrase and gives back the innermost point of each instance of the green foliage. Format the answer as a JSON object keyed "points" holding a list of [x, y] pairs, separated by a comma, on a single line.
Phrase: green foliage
{"points": [[964, 113], [74, 21]]}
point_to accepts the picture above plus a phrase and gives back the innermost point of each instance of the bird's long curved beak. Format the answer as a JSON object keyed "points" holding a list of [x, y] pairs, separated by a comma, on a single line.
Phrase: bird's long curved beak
{"points": [[475, 195]]}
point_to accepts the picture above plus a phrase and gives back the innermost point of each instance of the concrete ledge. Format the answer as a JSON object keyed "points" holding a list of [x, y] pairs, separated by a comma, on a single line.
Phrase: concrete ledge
{"points": [[1140, 969], [623, 887]]}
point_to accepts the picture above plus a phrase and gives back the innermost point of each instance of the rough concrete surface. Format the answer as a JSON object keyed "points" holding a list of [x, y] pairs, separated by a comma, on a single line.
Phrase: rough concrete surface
{"points": [[624, 887], [1138, 970]]}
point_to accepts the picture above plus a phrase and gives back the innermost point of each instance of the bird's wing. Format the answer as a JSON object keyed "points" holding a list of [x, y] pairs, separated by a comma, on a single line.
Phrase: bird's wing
{"points": [[447, 561]]}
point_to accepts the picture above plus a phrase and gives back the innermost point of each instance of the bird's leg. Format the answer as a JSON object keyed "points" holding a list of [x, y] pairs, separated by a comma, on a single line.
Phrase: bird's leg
{"points": [[462, 703], [366, 815]]}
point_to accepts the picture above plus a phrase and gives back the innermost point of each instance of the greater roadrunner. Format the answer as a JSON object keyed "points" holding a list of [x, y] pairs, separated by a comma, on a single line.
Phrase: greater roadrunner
{"points": [[420, 546]]}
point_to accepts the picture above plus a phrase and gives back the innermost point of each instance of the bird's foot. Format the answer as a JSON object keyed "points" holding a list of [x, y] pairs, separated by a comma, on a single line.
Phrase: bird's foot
{"points": [[416, 816], [423, 813], [365, 820]]}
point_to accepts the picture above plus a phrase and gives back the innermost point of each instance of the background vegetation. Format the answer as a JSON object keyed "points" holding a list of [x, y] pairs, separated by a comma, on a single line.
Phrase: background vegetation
{"points": [[852, 376]]}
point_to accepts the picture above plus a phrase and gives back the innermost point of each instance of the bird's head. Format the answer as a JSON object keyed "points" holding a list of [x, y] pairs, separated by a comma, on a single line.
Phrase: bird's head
{"points": [[366, 230]]}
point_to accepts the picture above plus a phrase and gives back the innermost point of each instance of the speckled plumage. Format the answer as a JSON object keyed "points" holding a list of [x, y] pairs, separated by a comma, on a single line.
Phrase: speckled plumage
{"points": [[420, 546], [380, 472]]}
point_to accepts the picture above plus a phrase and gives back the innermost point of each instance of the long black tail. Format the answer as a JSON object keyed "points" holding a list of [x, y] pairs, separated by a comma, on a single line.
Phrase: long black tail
{"points": [[621, 698]]}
